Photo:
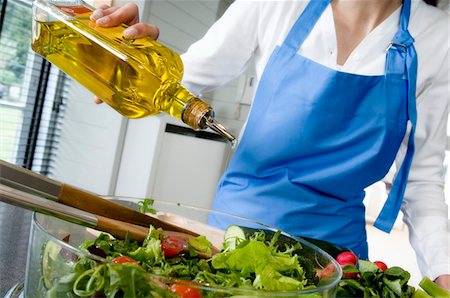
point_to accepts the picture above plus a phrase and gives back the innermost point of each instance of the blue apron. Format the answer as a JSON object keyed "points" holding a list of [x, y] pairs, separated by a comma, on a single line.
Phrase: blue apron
{"points": [[317, 137]]}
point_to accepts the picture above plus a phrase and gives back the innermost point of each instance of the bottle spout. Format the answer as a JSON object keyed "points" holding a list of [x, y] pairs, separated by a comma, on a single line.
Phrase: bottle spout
{"points": [[220, 129], [199, 115]]}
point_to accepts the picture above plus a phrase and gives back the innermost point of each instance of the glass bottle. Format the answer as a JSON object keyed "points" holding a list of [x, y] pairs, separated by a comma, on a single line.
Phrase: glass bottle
{"points": [[138, 78]]}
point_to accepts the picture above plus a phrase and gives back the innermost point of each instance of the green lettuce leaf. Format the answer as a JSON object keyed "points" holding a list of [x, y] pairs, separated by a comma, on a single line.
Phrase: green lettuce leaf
{"points": [[273, 270], [150, 252]]}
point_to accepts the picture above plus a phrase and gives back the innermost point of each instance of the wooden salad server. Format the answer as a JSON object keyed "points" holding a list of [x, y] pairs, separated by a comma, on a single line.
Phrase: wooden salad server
{"points": [[116, 228], [32, 183]]}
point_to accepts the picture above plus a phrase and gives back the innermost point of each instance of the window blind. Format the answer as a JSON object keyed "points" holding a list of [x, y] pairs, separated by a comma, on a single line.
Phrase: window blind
{"points": [[33, 94]]}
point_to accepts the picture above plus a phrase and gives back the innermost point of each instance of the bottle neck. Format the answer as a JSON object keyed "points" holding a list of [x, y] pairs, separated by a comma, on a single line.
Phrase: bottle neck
{"points": [[172, 98], [196, 112], [177, 101]]}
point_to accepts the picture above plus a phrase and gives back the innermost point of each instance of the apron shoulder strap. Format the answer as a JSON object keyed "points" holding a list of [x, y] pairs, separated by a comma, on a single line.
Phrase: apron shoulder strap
{"points": [[401, 58], [305, 23]]}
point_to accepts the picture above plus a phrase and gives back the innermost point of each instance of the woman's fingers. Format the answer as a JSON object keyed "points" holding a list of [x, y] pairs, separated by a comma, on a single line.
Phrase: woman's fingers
{"points": [[106, 16], [140, 30], [98, 100], [100, 12], [113, 16]]}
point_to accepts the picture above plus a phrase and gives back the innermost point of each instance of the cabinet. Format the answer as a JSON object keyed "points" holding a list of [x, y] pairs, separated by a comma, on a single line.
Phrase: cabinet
{"points": [[189, 166]]}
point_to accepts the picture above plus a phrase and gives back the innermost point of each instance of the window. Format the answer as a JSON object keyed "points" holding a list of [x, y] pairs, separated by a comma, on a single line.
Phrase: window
{"points": [[32, 93], [32, 103]]}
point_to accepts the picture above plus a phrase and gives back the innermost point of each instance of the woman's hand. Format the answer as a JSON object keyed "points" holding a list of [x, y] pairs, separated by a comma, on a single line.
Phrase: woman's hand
{"points": [[106, 16], [443, 281]]}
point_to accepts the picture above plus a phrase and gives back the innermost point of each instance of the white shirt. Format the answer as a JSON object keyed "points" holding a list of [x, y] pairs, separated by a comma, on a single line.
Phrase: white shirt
{"points": [[252, 29]]}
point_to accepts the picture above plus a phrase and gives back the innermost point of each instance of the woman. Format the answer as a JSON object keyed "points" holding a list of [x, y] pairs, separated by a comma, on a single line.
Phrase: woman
{"points": [[343, 87]]}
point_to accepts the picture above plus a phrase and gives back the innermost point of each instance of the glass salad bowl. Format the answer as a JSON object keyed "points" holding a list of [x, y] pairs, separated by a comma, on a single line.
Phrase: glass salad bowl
{"points": [[247, 259]]}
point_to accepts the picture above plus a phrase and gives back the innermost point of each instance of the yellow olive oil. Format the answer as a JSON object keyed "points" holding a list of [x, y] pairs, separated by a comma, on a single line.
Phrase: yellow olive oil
{"points": [[138, 78]]}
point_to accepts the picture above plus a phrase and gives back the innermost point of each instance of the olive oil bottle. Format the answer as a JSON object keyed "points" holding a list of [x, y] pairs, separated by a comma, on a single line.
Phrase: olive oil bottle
{"points": [[138, 78]]}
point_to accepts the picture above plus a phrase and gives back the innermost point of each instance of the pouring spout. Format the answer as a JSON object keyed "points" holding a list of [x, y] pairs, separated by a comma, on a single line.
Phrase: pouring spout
{"points": [[220, 129], [199, 115]]}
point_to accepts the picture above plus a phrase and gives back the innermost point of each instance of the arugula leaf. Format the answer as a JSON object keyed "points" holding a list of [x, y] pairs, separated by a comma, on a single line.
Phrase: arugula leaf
{"points": [[132, 281]]}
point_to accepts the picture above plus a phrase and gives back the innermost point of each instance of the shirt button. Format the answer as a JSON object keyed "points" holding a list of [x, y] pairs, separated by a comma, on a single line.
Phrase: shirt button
{"points": [[356, 57]]}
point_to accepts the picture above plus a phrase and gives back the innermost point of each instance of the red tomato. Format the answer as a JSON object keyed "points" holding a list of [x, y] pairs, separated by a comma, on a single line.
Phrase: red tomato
{"points": [[185, 291], [350, 275], [347, 258], [172, 246], [381, 265], [125, 260]]}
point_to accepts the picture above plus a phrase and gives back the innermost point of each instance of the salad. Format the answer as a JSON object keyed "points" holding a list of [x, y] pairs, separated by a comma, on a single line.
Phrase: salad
{"points": [[169, 265]]}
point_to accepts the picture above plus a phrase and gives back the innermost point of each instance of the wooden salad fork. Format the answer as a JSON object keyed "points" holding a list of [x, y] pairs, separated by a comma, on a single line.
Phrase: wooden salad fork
{"points": [[30, 182], [26, 189]]}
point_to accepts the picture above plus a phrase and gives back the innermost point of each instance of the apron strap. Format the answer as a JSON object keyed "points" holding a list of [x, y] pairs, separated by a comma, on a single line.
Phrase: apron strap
{"points": [[305, 23], [401, 58]]}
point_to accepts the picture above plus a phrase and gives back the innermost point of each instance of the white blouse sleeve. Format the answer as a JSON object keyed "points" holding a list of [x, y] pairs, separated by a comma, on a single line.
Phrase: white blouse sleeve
{"points": [[225, 50], [424, 207]]}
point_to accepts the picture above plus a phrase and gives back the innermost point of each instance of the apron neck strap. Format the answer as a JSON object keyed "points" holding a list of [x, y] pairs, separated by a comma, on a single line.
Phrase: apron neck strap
{"points": [[305, 23], [406, 12]]}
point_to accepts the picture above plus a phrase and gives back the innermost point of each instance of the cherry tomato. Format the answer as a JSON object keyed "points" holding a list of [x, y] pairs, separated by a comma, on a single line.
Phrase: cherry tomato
{"points": [[172, 246], [381, 265], [125, 260], [185, 291], [347, 258], [349, 274]]}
